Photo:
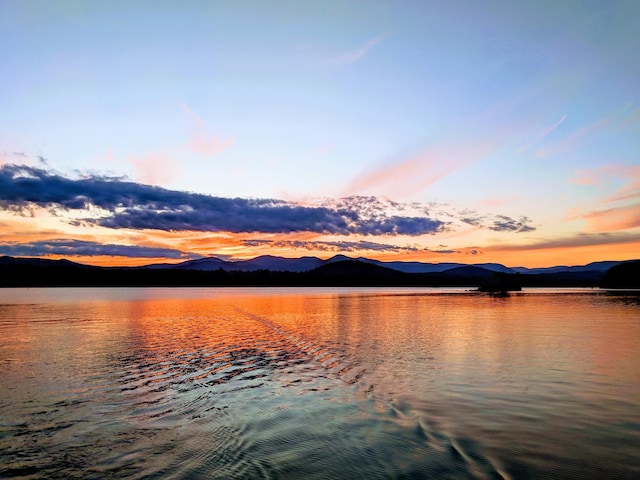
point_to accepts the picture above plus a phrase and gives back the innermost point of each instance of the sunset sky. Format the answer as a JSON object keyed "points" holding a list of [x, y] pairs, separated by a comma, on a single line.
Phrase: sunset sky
{"points": [[440, 131]]}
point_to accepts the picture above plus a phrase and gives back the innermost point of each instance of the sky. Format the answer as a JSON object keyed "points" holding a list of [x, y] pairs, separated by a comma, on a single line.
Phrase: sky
{"points": [[461, 131]]}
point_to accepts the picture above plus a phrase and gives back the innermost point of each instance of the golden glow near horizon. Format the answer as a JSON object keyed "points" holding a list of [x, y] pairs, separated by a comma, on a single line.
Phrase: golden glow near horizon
{"points": [[321, 132]]}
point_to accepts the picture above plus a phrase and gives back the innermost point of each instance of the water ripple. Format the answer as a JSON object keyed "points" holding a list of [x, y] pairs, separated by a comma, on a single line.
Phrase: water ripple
{"points": [[276, 387]]}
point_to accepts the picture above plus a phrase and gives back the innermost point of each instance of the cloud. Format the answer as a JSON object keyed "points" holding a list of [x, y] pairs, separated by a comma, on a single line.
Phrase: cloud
{"points": [[8, 157], [410, 176], [578, 240], [203, 142], [115, 202], [89, 249], [612, 219], [550, 129], [498, 200], [628, 174], [497, 223], [631, 189], [209, 145], [502, 223], [544, 133], [620, 210], [354, 55], [155, 168], [125, 204], [576, 139], [334, 246]]}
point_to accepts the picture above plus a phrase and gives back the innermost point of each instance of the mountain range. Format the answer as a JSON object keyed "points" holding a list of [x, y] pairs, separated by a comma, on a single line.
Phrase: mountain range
{"points": [[303, 264], [339, 270]]}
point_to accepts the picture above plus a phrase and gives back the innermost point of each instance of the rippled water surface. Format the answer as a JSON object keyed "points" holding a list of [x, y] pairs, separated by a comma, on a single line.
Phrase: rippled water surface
{"points": [[318, 383]]}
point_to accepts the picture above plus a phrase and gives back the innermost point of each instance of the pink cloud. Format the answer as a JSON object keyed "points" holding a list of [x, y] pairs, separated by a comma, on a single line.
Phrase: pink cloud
{"points": [[629, 174], [498, 200], [413, 175], [631, 189], [585, 177], [613, 219], [209, 145], [155, 169], [616, 212], [203, 142]]}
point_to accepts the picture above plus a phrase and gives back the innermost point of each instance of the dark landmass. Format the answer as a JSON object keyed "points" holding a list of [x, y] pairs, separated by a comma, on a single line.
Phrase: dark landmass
{"points": [[339, 271], [624, 275]]}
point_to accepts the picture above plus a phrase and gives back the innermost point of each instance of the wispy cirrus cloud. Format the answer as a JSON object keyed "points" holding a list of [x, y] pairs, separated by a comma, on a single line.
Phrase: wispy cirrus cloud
{"points": [[535, 140], [550, 129], [582, 134], [414, 174], [85, 248], [358, 53]]}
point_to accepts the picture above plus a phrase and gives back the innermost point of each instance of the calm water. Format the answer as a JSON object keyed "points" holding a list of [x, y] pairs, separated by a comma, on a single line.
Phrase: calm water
{"points": [[318, 383]]}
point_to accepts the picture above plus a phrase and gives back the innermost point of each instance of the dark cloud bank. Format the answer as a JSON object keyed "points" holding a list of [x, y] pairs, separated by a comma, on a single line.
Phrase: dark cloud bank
{"points": [[90, 249], [125, 204], [137, 206]]}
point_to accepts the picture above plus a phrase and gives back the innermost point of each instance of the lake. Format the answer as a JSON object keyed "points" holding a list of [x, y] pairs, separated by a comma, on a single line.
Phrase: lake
{"points": [[318, 383]]}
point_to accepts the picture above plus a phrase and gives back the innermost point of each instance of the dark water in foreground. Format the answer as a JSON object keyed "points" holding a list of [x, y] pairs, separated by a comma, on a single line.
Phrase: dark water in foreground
{"points": [[318, 383]]}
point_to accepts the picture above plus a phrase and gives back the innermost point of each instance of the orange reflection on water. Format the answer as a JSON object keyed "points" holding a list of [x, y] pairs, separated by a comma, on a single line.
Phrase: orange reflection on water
{"points": [[404, 341], [525, 341]]}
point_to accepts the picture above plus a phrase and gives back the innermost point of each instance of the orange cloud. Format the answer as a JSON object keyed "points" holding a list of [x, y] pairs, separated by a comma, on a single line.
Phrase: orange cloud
{"points": [[613, 219], [577, 249]]}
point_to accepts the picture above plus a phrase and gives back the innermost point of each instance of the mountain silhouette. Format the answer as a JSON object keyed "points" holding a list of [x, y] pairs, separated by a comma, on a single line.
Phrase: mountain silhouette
{"points": [[339, 270]]}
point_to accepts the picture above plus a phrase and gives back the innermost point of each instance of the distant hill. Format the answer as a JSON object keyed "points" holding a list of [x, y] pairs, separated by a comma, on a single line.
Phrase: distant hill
{"points": [[590, 267], [303, 264], [39, 262], [358, 273]]}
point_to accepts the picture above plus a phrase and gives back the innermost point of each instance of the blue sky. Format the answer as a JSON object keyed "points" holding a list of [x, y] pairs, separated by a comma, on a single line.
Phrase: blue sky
{"points": [[523, 110]]}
